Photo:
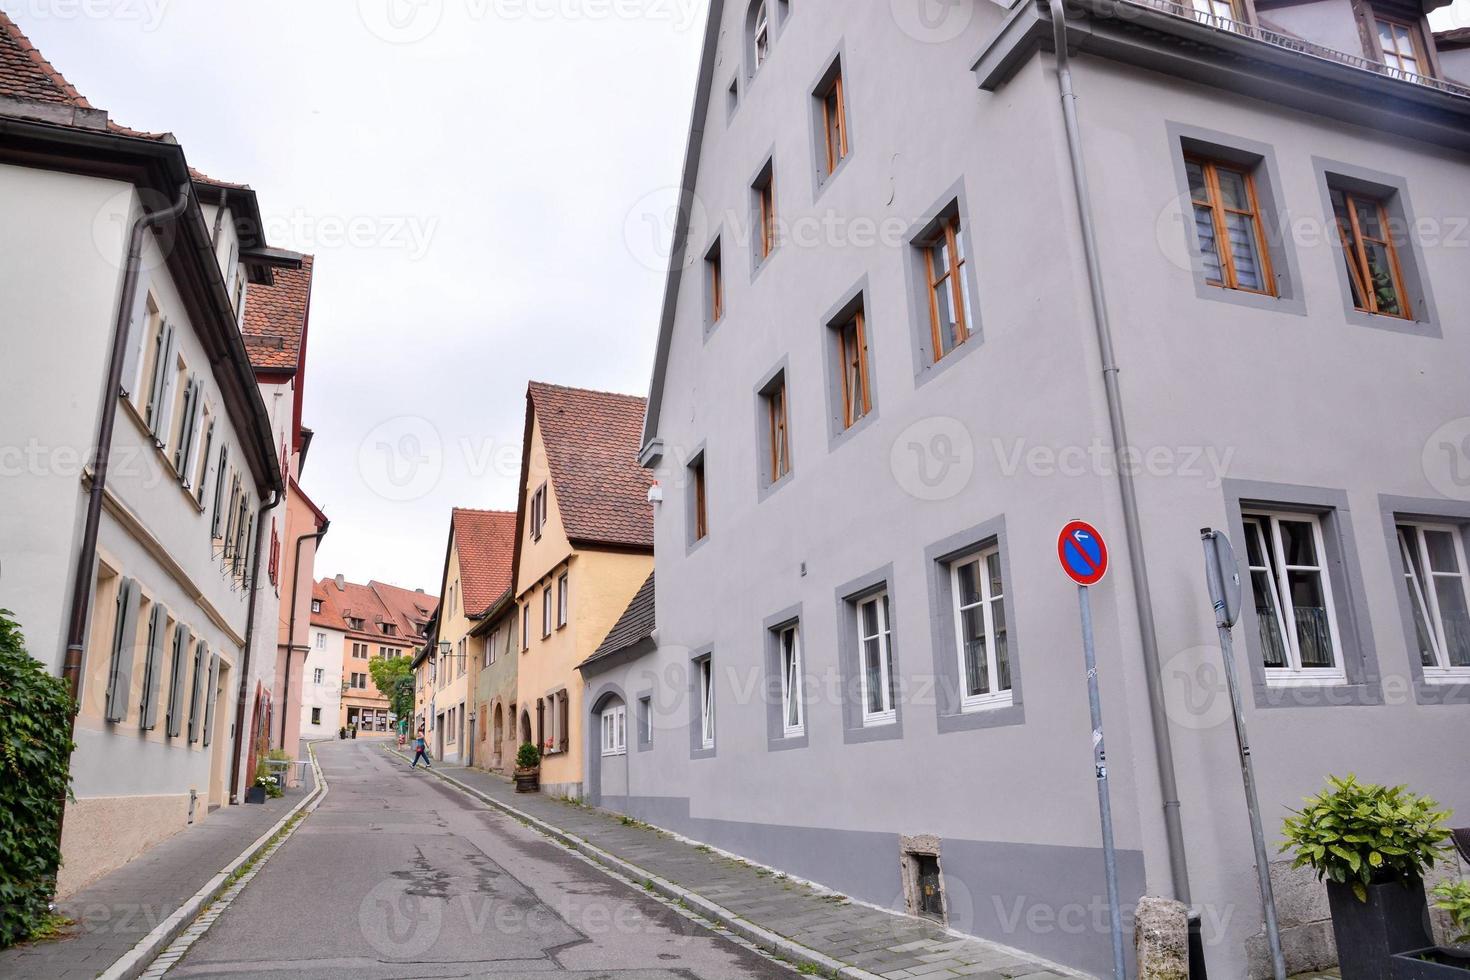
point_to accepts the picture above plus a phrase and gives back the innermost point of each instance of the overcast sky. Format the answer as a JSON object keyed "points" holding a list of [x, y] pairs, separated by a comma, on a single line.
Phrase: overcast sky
{"points": [[464, 171], [476, 179]]}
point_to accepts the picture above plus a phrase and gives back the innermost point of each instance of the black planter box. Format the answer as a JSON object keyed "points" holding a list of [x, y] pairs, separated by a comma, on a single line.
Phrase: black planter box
{"points": [[1395, 919], [255, 794], [1443, 964]]}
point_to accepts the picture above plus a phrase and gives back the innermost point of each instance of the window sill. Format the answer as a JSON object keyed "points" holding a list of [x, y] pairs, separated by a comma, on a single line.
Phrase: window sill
{"points": [[880, 720], [1447, 675], [987, 702], [792, 733], [1289, 679], [614, 754]]}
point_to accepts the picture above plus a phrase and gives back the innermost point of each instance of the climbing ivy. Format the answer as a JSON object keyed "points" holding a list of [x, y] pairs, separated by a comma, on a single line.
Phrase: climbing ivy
{"points": [[35, 783]]}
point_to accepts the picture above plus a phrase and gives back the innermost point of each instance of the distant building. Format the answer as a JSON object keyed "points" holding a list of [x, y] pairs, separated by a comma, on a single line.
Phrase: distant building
{"points": [[321, 676], [375, 622], [477, 574]]}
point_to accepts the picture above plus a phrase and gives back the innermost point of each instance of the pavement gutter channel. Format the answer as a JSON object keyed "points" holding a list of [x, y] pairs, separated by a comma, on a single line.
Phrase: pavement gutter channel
{"points": [[136, 961], [794, 951]]}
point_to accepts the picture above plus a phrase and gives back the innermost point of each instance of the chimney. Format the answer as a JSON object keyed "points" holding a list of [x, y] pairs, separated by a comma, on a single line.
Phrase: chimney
{"points": [[341, 583], [419, 591]]}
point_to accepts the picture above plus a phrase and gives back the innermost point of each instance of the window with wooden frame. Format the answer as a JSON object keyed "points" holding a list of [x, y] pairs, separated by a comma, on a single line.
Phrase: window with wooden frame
{"points": [[852, 348], [698, 501], [1228, 229], [1374, 272], [714, 267], [834, 120], [778, 430], [1216, 11], [764, 190], [1401, 44], [945, 259]]}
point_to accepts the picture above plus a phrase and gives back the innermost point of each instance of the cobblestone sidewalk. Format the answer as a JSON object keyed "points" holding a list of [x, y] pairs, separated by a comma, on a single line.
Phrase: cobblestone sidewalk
{"points": [[823, 930], [116, 912]]}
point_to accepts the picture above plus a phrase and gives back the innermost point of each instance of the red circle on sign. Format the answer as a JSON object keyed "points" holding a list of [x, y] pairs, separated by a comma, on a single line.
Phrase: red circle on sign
{"points": [[1083, 553]]}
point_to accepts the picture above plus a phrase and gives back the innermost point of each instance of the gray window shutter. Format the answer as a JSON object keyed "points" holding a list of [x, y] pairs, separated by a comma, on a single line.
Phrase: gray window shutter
{"points": [[135, 339], [211, 695], [186, 435], [204, 455], [217, 530], [164, 353], [153, 666], [166, 391], [124, 648], [196, 696], [177, 673]]}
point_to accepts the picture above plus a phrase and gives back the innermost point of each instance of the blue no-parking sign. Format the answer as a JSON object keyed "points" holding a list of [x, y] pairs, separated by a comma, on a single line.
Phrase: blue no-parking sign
{"points": [[1083, 553]]}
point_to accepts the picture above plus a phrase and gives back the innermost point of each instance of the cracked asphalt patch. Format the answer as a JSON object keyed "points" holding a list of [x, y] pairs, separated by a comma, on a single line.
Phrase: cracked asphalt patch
{"points": [[398, 875]]}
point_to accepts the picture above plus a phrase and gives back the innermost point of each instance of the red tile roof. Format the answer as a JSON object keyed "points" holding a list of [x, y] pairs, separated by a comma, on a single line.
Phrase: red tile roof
{"points": [[375, 603], [26, 74], [275, 317], [592, 441], [486, 541]]}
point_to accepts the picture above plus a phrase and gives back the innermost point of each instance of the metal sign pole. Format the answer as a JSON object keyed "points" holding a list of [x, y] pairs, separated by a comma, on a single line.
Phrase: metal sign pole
{"points": [[1219, 554], [1104, 800]]}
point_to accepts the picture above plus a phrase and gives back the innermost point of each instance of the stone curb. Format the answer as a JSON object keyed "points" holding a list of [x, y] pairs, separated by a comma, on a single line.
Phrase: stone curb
{"points": [[790, 949], [136, 961]]}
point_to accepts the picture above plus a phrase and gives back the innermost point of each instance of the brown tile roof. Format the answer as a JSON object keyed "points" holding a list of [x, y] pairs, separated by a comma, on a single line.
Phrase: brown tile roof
{"points": [[486, 541], [592, 442], [275, 317], [26, 74], [374, 604], [1457, 38]]}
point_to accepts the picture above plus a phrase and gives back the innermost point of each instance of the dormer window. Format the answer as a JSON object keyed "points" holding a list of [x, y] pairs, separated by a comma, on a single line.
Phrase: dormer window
{"points": [[761, 35], [316, 605], [389, 629], [1402, 47]]}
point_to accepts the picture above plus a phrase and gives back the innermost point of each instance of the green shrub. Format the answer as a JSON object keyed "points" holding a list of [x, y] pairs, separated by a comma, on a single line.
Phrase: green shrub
{"points": [[1454, 898], [1360, 834], [529, 757], [35, 783]]}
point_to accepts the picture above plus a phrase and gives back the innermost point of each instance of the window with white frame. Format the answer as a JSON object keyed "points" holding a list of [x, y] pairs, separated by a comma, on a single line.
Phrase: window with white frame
{"points": [[875, 647], [980, 628], [1438, 579], [546, 612], [552, 745], [318, 676], [321, 641], [1293, 596], [563, 601], [793, 709], [706, 703], [760, 38], [615, 730], [492, 643]]}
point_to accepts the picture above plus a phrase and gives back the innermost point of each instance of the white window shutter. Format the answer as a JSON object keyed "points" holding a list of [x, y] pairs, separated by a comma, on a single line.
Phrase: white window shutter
{"points": [[217, 529], [203, 452], [196, 696], [153, 667], [177, 671], [211, 695], [134, 341], [124, 648]]}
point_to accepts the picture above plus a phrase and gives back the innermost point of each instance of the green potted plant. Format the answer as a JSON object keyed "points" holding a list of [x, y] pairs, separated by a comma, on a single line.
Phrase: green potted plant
{"points": [[528, 769], [1439, 963], [1371, 845]]}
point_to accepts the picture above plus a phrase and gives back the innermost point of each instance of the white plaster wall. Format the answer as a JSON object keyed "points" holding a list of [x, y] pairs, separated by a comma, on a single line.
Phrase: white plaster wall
{"points": [[328, 694]]}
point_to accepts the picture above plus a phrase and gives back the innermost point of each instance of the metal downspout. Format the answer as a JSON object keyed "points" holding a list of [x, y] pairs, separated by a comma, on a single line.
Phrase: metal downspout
{"points": [[276, 498], [1138, 566], [291, 630]]}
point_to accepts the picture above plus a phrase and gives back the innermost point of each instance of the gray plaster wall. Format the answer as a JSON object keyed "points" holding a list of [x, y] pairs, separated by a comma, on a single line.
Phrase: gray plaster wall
{"points": [[1215, 390]]}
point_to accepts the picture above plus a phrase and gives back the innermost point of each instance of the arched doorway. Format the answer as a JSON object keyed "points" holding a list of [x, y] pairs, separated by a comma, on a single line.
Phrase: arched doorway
{"points": [[526, 728], [607, 743], [497, 738]]}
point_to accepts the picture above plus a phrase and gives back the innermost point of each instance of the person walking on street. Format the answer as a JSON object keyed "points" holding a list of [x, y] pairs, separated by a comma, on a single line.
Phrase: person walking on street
{"points": [[420, 751]]}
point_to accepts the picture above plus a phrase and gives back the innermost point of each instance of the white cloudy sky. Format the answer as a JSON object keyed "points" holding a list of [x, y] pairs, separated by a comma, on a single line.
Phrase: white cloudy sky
{"points": [[467, 195], [473, 177]]}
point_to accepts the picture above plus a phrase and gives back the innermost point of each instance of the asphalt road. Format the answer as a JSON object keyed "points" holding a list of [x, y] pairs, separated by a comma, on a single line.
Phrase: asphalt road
{"points": [[398, 875]]}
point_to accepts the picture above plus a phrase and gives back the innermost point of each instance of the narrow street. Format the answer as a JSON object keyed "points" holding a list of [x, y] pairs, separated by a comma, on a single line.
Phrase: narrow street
{"points": [[398, 875]]}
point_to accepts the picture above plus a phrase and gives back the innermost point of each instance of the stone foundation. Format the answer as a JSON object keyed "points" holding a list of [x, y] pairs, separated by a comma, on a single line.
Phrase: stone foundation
{"points": [[105, 833]]}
